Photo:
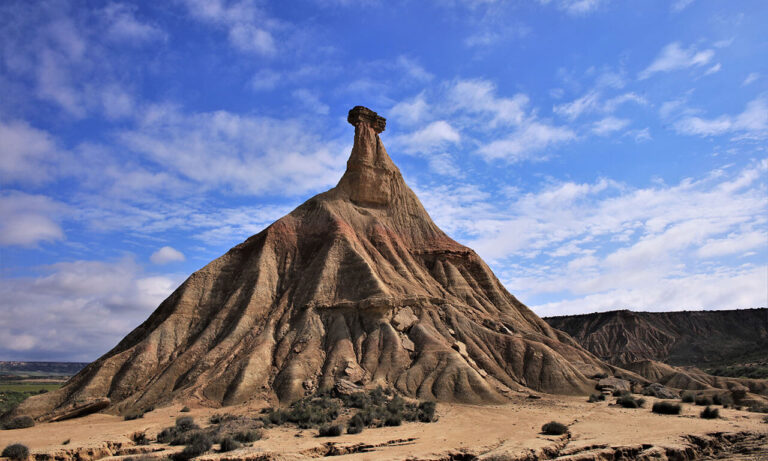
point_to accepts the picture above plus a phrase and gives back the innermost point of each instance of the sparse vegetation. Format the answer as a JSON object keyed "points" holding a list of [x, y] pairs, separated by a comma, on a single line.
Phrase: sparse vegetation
{"points": [[554, 428], [666, 408], [178, 434], [710, 413], [331, 430], [723, 400], [20, 422], [133, 415], [228, 444], [16, 452], [759, 371], [758, 408], [703, 400], [627, 401], [197, 444], [376, 408], [185, 409], [599, 376], [687, 397], [596, 398], [618, 393], [248, 436], [66, 442], [140, 438]]}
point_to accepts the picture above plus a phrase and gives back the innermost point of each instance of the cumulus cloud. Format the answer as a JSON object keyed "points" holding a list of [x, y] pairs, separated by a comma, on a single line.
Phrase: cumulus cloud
{"points": [[167, 255], [63, 302], [527, 140], [752, 122], [581, 247], [241, 153], [124, 26], [674, 57], [27, 220], [247, 26], [26, 153]]}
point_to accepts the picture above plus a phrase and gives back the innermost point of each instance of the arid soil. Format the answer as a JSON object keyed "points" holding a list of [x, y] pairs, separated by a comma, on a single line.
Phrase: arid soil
{"points": [[499, 432]]}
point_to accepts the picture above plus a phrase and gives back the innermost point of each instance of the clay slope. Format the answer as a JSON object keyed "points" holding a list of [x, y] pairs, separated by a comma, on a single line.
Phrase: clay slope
{"points": [[357, 283], [697, 338]]}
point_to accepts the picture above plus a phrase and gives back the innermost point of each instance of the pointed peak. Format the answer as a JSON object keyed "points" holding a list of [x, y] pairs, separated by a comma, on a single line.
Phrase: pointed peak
{"points": [[371, 175]]}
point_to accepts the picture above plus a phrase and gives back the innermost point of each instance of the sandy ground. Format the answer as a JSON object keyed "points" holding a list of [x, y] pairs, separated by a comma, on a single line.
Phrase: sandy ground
{"points": [[510, 428]]}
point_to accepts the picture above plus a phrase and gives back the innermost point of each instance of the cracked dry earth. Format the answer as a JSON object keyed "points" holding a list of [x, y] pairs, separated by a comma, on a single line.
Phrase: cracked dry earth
{"points": [[464, 432]]}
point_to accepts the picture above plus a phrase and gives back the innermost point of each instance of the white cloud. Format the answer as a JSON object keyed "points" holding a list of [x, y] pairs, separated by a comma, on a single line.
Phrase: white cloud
{"points": [[714, 69], [435, 136], [574, 109], [311, 101], [167, 255], [242, 154], [527, 140], [751, 78], [247, 26], [26, 220], [26, 153], [674, 57], [752, 122], [575, 7], [581, 247], [123, 26], [411, 111], [680, 5], [63, 304], [479, 97], [609, 125]]}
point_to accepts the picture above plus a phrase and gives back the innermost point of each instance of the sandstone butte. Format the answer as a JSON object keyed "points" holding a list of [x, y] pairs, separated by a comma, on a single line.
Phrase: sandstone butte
{"points": [[356, 284]]}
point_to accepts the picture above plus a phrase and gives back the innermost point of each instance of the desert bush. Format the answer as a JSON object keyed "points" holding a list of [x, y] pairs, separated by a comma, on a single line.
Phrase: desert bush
{"points": [[16, 451], [599, 376], [723, 399], [554, 428], [765, 419], [20, 422], [228, 444], [133, 415], [757, 408], [139, 438], [331, 430], [248, 436], [627, 401], [618, 393], [710, 413], [427, 411], [197, 444], [186, 423], [185, 409], [66, 442], [687, 397], [666, 408], [596, 398], [393, 420], [703, 400], [355, 425], [178, 434]]}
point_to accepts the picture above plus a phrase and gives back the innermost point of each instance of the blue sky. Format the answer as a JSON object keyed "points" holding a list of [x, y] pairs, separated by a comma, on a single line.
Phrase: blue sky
{"points": [[598, 154]]}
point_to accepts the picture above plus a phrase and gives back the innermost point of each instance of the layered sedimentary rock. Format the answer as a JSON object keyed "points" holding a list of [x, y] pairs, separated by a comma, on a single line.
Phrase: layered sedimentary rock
{"points": [[357, 283], [698, 338]]}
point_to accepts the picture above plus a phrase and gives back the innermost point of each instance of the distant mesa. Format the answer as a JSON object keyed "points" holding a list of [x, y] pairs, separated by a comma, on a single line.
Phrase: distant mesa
{"points": [[358, 285]]}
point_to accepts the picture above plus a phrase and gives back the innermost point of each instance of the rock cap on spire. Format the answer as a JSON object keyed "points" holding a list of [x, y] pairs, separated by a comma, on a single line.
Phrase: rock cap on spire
{"points": [[361, 114]]}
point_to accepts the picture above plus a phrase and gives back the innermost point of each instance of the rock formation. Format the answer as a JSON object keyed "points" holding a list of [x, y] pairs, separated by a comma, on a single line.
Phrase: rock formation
{"points": [[357, 283], [698, 338]]}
